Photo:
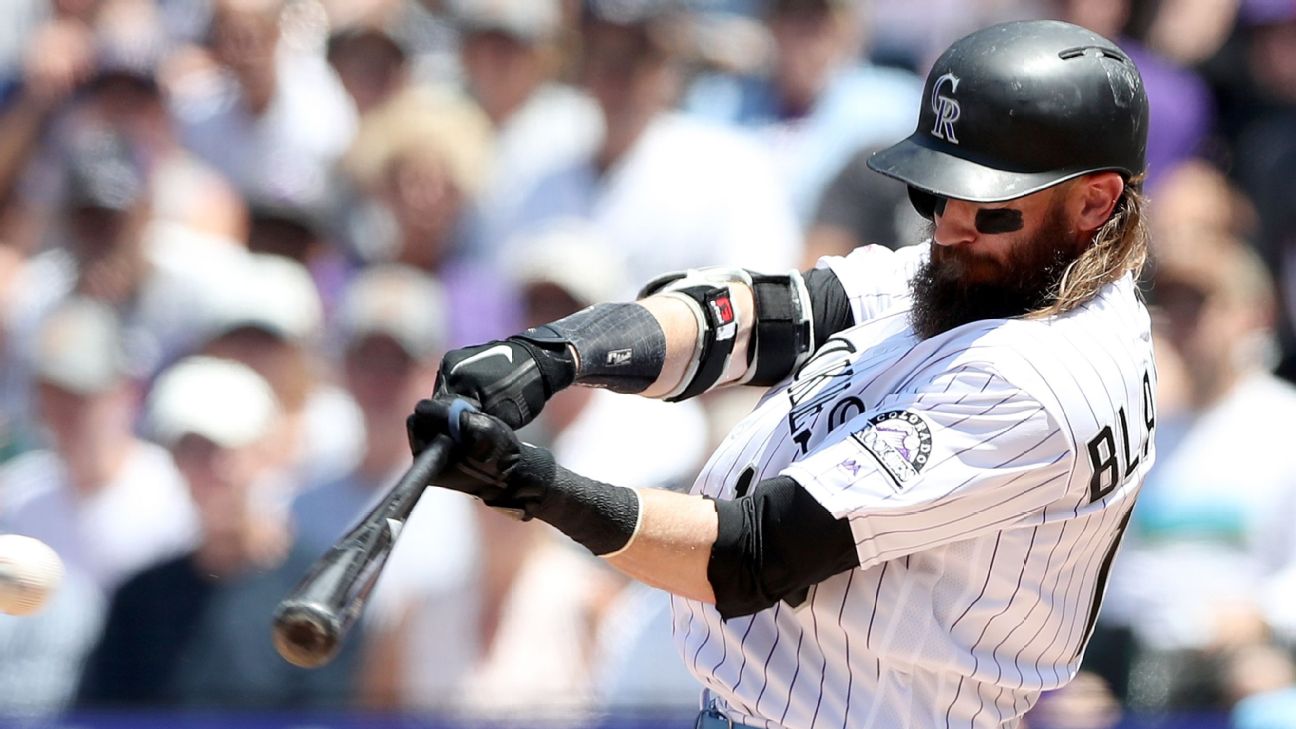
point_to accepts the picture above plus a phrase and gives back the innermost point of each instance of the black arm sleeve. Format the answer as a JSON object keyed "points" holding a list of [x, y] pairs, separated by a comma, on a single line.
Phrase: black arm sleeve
{"points": [[829, 304], [773, 544]]}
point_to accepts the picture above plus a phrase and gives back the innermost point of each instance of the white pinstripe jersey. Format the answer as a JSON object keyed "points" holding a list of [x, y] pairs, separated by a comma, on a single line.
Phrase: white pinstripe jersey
{"points": [[987, 474]]}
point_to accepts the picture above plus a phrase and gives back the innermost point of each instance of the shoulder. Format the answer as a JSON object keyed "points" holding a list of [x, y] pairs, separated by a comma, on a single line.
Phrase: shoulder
{"points": [[876, 278]]}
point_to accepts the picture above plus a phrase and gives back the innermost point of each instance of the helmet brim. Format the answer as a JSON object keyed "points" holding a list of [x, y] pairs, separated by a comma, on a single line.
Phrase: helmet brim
{"points": [[932, 170]]}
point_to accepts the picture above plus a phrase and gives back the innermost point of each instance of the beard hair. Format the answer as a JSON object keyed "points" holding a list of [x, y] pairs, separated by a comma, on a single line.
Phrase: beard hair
{"points": [[1029, 280]]}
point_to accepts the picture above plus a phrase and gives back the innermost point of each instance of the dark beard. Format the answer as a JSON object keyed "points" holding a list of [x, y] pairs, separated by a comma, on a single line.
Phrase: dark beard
{"points": [[1030, 278]]}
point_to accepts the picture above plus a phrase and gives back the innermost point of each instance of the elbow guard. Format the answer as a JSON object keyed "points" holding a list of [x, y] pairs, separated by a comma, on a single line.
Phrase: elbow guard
{"points": [[772, 545], [782, 333]]}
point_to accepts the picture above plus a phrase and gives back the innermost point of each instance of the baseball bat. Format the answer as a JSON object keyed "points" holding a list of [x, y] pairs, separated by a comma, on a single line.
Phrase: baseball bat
{"points": [[311, 622]]}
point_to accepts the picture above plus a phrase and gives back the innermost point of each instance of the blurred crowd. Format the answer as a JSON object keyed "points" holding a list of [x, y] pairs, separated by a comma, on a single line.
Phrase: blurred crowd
{"points": [[236, 236]]}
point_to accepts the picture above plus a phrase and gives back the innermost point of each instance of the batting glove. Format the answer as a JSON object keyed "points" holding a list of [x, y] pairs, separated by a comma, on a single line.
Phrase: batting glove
{"points": [[489, 461], [510, 379], [521, 479]]}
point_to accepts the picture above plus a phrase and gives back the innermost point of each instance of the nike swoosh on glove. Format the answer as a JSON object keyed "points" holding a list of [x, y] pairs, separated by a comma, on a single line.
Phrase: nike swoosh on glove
{"points": [[510, 379]]}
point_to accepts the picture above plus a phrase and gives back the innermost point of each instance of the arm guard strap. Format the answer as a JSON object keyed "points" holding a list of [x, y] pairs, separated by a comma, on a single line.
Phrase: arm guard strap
{"points": [[707, 293], [784, 336]]}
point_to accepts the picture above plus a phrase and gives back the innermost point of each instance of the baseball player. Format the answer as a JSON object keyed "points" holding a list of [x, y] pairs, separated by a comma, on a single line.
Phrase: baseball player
{"points": [[915, 525]]}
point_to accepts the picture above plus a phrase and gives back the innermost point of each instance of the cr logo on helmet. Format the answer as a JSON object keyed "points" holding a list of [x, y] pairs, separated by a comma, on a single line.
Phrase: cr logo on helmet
{"points": [[946, 108]]}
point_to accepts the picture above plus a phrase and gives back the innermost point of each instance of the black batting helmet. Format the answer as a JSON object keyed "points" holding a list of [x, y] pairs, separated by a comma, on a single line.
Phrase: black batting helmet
{"points": [[1012, 109]]}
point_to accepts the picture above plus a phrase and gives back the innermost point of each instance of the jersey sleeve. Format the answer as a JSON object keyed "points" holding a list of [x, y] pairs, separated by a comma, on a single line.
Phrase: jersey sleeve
{"points": [[963, 454], [876, 278]]}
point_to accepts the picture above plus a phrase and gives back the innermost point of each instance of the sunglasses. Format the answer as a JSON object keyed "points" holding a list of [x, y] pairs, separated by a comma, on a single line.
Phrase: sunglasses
{"points": [[989, 221]]}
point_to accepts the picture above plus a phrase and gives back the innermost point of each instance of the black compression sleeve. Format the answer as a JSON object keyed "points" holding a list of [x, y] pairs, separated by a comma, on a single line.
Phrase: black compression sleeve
{"points": [[620, 346], [599, 516], [772, 544], [828, 303]]}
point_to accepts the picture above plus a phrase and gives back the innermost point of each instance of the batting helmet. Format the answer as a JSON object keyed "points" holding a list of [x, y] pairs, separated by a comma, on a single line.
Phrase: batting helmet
{"points": [[1012, 109]]}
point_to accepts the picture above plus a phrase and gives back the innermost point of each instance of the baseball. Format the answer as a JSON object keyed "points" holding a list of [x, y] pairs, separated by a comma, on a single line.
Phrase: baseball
{"points": [[29, 572]]}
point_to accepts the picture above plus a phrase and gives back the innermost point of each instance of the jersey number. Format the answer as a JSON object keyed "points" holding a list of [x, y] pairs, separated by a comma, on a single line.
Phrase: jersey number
{"points": [[1106, 460]]}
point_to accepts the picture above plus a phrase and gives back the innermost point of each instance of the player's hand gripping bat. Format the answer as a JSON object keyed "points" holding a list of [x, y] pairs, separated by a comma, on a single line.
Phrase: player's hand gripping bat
{"points": [[312, 620]]}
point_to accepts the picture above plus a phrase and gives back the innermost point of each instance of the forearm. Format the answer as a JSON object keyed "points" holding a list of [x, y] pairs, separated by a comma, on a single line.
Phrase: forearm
{"points": [[672, 547], [691, 333], [680, 328], [658, 537]]}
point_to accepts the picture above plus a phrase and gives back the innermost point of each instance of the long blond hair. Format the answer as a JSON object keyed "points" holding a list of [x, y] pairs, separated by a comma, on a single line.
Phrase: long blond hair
{"points": [[1120, 246]]}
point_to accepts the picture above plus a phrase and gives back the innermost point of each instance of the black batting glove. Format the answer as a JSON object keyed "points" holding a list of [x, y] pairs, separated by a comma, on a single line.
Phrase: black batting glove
{"points": [[510, 379], [488, 461], [521, 479]]}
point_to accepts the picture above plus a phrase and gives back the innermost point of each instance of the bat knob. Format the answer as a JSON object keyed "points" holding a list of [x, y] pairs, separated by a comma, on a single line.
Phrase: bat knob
{"points": [[306, 634]]}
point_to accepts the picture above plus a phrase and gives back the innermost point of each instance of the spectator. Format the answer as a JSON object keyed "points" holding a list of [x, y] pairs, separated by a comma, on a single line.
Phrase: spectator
{"points": [[1263, 679], [424, 31], [179, 633], [272, 118], [817, 105], [367, 50], [302, 234], [123, 96], [1188, 581], [159, 285], [1196, 196], [58, 57], [424, 160], [511, 57], [669, 191], [109, 503], [1264, 145], [420, 636], [370, 61], [269, 318]]}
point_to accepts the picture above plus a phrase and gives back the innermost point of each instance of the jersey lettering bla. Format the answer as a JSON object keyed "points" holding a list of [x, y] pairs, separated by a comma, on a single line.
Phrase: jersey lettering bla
{"points": [[987, 474]]}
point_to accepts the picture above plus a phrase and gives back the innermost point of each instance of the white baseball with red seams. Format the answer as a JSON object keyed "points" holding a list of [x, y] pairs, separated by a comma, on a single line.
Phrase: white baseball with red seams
{"points": [[987, 474], [29, 572]]}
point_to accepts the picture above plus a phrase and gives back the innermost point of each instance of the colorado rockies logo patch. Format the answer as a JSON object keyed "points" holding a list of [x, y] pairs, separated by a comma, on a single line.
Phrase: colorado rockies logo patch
{"points": [[900, 441]]}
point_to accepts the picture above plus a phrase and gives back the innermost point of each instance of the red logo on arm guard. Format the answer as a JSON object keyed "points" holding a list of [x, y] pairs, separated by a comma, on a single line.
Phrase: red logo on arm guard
{"points": [[723, 314], [723, 309]]}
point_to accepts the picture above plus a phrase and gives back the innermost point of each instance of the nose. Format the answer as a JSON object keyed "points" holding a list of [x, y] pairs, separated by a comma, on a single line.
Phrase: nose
{"points": [[955, 223]]}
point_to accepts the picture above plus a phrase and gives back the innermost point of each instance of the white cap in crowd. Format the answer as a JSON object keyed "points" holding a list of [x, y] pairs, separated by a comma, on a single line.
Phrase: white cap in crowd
{"points": [[271, 293], [79, 348], [397, 301], [220, 400], [531, 21], [573, 256]]}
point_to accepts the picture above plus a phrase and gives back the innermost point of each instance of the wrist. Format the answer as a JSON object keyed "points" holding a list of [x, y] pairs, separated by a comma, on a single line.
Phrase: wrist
{"points": [[554, 360], [599, 516]]}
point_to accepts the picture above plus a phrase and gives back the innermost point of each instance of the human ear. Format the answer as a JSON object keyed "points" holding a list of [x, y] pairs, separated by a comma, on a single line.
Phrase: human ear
{"points": [[1095, 198]]}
